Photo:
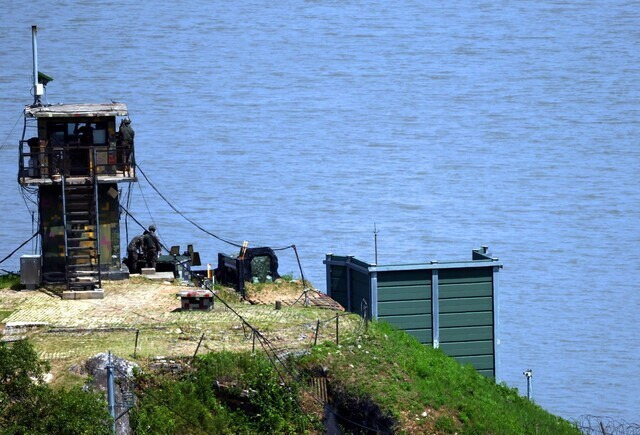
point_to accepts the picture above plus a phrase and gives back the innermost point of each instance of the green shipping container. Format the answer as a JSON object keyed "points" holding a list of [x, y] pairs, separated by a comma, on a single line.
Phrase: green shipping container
{"points": [[448, 305]]}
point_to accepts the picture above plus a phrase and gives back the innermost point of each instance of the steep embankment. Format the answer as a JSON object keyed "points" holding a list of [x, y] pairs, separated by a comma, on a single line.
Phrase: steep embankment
{"points": [[376, 378], [422, 389], [380, 380]]}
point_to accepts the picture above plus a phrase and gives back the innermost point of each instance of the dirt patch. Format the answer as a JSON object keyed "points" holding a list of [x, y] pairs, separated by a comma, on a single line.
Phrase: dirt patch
{"points": [[290, 293], [359, 414]]}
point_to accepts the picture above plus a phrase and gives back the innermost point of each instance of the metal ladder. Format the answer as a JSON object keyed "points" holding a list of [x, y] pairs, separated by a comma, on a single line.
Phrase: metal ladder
{"points": [[82, 233]]}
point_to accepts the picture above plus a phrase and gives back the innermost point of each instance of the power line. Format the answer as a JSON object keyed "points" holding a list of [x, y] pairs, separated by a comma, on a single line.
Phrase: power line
{"points": [[149, 211], [140, 225], [222, 239], [11, 131], [182, 214], [16, 250]]}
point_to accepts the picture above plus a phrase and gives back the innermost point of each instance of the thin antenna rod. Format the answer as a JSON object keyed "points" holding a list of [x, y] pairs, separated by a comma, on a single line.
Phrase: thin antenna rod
{"points": [[34, 47], [375, 241]]}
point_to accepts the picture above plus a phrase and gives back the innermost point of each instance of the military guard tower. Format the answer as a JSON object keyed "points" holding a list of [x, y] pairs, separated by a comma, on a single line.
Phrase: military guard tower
{"points": [[71, 154]]}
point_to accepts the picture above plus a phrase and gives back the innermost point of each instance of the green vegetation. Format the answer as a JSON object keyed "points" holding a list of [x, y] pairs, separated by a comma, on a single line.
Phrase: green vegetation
{"points": [[383, 379], [4, 314], [288, 277], [10, 281], [227, 393], [425, 390], [377, 377], [27, 405]]}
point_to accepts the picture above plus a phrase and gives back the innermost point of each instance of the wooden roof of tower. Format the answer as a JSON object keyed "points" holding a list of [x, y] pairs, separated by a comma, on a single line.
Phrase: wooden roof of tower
{"points": [[73, 110]]}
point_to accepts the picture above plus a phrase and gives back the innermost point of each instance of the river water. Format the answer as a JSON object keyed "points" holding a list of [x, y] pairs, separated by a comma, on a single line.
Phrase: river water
{"points": [[508, 124]]}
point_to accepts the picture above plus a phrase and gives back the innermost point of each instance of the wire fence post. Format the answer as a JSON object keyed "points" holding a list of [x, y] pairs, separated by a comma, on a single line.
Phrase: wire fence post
{"points": [[337, 330], [253, 346], [197, 348], [295, 250], [111, 391], [135, 347], [315, 337]]}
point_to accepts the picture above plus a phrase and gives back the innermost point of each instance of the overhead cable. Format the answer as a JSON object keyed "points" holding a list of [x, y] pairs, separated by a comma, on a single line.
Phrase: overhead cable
{"points": [[11, 131], [16, 250], [222, 239]]}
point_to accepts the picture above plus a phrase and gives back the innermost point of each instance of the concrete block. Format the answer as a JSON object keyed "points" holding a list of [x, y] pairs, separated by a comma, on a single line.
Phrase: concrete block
{"points": [[201, 300], [147, 271], [160, 276], [88, 294]]}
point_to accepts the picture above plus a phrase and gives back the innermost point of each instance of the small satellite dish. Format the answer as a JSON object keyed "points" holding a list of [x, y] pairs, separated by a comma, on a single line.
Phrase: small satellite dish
{"points": [[44, 79]]}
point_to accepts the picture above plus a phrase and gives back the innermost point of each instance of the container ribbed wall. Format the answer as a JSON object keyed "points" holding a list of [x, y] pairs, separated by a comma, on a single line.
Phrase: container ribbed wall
{"points": [[464, 326]]}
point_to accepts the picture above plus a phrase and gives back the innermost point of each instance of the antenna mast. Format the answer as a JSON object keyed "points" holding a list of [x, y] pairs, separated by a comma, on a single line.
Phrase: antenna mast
{"points": [[375, 241], [38, 89]]}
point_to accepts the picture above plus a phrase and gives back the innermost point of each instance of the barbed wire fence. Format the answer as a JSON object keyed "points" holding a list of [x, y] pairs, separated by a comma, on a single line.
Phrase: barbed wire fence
{"points": [[598, 425], [327, 329]]}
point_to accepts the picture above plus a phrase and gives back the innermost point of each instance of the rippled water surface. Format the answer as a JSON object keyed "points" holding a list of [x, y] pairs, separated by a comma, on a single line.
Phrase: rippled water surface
{"points": [[510, 124]]}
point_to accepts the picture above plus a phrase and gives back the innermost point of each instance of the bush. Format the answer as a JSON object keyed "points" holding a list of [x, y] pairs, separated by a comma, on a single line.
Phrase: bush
{"points": [[227, 393], [29, 406], [10, 281]]}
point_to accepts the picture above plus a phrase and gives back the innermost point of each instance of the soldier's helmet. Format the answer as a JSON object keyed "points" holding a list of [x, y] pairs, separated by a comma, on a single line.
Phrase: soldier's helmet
{"points": [[127, 121], [152, 227]]}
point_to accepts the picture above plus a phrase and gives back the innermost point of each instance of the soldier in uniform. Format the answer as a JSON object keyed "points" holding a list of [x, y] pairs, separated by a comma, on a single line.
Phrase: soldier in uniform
{"points": [[125, 137], [133, 253], [151, 246], [86, 134]]}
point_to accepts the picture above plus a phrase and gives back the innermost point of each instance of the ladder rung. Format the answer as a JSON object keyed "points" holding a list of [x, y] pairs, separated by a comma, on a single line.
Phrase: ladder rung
{"points": [[78, 273], [81, 279]]}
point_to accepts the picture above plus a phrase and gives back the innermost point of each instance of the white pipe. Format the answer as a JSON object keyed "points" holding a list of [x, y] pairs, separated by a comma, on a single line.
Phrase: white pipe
{"points": [[34, 46]]}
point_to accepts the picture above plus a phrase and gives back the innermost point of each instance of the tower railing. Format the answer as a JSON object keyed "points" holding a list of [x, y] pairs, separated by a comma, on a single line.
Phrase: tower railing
{"points": [[42, 161]]}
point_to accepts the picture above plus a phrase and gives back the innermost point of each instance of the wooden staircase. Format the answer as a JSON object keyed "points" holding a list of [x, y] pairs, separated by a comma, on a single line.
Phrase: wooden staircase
{"points": [[82, 234]]}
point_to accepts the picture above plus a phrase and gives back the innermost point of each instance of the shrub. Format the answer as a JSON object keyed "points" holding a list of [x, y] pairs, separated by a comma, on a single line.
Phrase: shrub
{"points": [[29, 406]]}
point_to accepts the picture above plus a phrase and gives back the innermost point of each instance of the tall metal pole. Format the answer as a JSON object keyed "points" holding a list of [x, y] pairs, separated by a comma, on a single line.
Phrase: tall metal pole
{"points": [[34, 47], [529, 374], [375, 241], [94, 178], [111, 391]]}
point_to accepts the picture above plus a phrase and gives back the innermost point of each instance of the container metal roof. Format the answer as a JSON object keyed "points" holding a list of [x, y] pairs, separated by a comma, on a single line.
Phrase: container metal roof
{"points": [[71, 110]]}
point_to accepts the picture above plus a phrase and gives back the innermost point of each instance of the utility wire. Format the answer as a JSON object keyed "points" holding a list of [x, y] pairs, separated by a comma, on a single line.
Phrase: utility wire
{"points": [[261, 338], [16, 250], [222, 239], [11, 131], [139, 224], [182, 214], [126, 218], [149, 211], [259, 335]]}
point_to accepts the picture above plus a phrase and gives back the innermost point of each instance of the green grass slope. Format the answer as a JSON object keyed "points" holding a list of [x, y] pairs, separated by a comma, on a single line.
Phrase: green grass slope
{"points": [[381, 379], [424, 390]]}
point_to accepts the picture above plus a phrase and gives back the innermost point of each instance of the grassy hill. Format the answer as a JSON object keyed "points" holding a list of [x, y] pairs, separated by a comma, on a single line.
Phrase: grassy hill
{"points": [[376, 378], [382, 380]]}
